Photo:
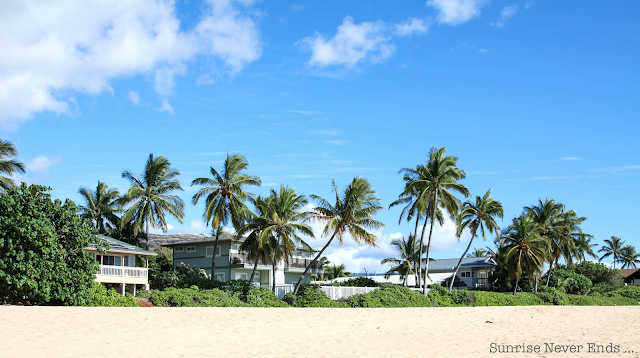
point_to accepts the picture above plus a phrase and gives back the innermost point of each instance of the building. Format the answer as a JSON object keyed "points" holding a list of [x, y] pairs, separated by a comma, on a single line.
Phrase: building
{"points": [[118, 265], [631, 276], [231, 264], [474, 272]]}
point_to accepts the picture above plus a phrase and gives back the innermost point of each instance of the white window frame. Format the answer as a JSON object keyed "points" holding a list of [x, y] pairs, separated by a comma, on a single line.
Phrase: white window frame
{"points": [[190, 249], [218, 275], [246, 276], [179, 249], [207, 254], [235, 247], [257, 275]]}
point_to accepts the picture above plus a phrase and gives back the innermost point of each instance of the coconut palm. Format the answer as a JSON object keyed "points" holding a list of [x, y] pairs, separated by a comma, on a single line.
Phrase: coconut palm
{"points": [[150, 195], [351, 214], [585, 247], [474, 216], [8, 165], [613, 248], [101, 207], [526, 248], [435, 182], [408, 253], [630, 258], [335, 271], [225, 197], [478, 252], [284, 223]]}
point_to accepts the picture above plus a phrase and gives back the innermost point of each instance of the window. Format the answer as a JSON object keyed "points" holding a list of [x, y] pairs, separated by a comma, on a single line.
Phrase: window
{"points": [[220, 277], [179, 248], [257, 274], [235, 248], [241, 276], [210, 251], [191, 249], [465, 274]]}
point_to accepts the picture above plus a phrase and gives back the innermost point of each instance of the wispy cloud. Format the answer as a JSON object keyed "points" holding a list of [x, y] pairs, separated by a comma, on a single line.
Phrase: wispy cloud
{"points": [[455, 12], [616, 169], [571, 158], [484, 173], [295, 8], [307, 113], [337, 142], [324, 132], [557, 177], [412, 26], [134, 97], [507, 13]]}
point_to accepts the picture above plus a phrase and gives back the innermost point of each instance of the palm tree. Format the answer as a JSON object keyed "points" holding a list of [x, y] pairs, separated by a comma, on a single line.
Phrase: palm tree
{"points": [[101, 207], [478, 252], [613, 248], [8, 165], [630, 258], [224, 197], [526, 249], [434, 182], [474, 216], [352, 213], [405, 264], [584, 247], [150, 195], [284, 222], [335, 271]]}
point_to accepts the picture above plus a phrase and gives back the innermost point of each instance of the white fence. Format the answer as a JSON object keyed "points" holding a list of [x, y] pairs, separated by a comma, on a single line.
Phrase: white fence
{"points": [[338, 292], [123, 271]]}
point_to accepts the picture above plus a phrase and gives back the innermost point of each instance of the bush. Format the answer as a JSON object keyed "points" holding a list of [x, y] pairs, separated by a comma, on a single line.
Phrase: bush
{"points": [[632, 292], [359, 281], [440, 296], [506, 299], [193, 297], [42, 260], [263, 297], [600, 275], [552, 295], [310, 295], [100, 296], [576, 300], [395, 296], [568, 280]]}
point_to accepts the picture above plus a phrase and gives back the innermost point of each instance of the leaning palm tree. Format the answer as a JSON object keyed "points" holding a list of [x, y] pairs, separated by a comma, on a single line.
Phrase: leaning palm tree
{"points": [[403, 265], [474, 216], [351, 214], [526, 249], [585, 247], [101, 207], [284, 223], [478, 252], [8, 165], [225, 197], [150, 195], [435, 182], [612, 248], [630, 258]]}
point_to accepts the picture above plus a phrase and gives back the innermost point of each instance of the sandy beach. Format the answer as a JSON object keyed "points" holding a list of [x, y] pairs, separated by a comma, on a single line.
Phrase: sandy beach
{"points": [[309, 332]]}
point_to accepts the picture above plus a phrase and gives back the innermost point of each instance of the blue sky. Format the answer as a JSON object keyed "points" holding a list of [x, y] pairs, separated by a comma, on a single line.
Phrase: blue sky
{"points": [[536, 99]]}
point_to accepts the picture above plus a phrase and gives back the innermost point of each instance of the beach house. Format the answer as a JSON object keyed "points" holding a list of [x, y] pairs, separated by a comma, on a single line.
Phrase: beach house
{"points": [[631, 276], [118, 265], [232, 264], [473, 272]]}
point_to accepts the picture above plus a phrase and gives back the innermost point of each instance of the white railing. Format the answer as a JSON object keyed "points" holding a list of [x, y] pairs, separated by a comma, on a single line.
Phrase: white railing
{"points": [[338, 292], [123, 271]]}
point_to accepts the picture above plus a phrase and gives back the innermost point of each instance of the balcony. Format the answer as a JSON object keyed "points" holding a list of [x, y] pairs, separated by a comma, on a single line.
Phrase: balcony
{"points": [[242, 259], [123, 271], [298, 262]]}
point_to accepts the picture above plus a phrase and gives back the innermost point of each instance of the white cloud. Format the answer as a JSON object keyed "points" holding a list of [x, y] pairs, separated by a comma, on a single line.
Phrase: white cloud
{"points": [[411, 26], [295, 8], [336, 142], [307, 113], [166, 106], [134, 97], [507, 13], [352, 43], [82, 46], [454, 12], [196, 227], [571, 158], [40, 165]]}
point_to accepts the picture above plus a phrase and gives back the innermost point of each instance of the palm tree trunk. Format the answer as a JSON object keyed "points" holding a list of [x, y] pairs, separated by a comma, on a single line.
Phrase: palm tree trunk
{"points": [[273, 265], [516, 286], [295, 291], [549, 274], [416, 261], [536, 289], [422, 282], [460, 261], [426, 264], [147, 233], [213, 257], [255, 266]]}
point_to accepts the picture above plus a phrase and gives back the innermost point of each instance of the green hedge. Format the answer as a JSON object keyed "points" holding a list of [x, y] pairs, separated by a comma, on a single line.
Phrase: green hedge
{"points": [[396, 296], [505, 299], [193, 297], [358, 282], [264, 297], [100, 296], [310, 295], [627, 291]]}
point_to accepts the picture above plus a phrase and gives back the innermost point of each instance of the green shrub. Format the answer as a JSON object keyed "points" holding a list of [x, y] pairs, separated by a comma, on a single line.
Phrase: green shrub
{"points": [[626, 291], [193, 297], [551, 295], [568, 280], [359, 281], [100, 296], [506, 299], [604, 287], [600, 275], [263, 297], [395, 296], [576, 300], [440, 296], [310, 295]]}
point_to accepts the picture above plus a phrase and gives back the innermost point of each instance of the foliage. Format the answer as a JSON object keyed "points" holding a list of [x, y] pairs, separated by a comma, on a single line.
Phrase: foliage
{"points": [[100, 296], [568, 280], [502, 299], [263, 297], [359, 281], [8, 165], [183, 276], [193, 297], [334, 271], [408, 257], [613, 247], [101, 208], [603, 278], [579, 300], [310, 295], [394, 296], [42, 256], [626, 291]]}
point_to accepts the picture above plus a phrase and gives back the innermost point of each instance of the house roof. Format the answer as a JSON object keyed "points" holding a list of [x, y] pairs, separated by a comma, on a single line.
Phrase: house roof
{"points": [[121, 246], [629, 272], [467, 262], [211, 240]]}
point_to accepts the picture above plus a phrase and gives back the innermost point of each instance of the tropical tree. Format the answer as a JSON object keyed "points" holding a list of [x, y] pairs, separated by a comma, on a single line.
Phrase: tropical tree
{"points": [[478, 252], [613, 247], [351, 214], [335, 271], [585, 247], [101, 207], [404, 265], [225, 197], [8, 165], [477, 215], [630, 258], [526, 249], [435, 183], [151, 195]]}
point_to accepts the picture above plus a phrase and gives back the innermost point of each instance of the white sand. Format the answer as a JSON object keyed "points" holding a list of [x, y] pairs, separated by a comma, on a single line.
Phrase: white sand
{"points": [[311, 332]]}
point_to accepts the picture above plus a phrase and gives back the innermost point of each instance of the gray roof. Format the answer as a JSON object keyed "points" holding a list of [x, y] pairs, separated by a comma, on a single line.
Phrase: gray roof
{"points": [[120, 246], [222, 237], [450, 264]]}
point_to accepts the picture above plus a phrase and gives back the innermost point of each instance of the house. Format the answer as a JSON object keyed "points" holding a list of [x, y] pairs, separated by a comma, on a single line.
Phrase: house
{"points": [[631, 276], [232, 264], [473, 272], [118, 265]]}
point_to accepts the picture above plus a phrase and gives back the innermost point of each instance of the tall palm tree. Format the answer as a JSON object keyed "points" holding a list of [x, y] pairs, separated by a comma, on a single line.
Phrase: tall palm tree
{"points": [[435, 182], [474, 216], [478, 252], [526, 249], [630, 258], [352, 213], [284, 223], [151, 195], [404, 265], [335, 271], [101, 207], [585, 247], [225, 197], [613, 248], [8, 165]]}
